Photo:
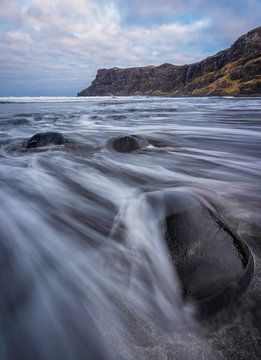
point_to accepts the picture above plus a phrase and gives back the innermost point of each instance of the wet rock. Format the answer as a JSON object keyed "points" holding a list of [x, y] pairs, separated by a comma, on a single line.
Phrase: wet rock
{"points": [[45, 139], [129, 143], [214, 265]]}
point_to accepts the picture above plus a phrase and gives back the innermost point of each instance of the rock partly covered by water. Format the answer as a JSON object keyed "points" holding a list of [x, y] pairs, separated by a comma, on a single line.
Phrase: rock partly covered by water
{"points": [[234, 71], [214, 265], [128, 143], [45, 139]]}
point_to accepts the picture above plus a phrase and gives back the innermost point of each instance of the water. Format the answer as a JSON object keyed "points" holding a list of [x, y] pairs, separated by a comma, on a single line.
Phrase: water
{"points": [[84, 268]]}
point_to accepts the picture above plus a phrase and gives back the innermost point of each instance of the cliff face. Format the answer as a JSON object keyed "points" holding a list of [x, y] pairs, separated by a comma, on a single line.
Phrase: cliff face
{"points": [[234, 71]]}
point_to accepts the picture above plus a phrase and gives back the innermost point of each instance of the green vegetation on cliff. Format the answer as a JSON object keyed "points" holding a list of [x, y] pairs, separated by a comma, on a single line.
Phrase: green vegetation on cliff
{"points": [[234, 71]]}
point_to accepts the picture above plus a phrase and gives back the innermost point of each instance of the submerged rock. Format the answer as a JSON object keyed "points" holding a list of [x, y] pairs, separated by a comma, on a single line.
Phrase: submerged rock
{"points": [[213, 263], [45, 139], [129, 143]]}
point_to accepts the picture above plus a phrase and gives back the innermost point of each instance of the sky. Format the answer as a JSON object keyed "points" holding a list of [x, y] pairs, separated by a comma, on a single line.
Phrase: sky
{"points": [[54, 47]]}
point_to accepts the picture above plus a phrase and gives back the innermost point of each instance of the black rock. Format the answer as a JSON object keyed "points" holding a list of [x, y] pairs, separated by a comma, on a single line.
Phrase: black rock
{"points": [[129, 143], [44, 139], [214, 265]]}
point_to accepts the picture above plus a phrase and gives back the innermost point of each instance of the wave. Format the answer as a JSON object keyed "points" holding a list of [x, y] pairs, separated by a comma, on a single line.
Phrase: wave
{"points": [[43, 99]]}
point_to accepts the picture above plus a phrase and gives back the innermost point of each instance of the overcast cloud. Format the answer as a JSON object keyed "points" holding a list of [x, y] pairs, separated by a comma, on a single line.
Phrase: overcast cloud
{"points": [[54, 47]]}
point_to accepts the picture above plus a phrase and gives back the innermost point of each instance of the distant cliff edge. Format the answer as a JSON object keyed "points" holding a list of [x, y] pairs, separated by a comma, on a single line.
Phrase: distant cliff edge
{"points": [[234, 71]]}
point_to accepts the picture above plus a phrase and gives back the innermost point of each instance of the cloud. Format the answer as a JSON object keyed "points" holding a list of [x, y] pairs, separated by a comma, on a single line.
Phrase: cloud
{"points": [[56, 46]]}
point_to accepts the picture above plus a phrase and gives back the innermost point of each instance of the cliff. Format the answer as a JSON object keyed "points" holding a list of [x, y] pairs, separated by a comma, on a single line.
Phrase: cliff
{"points": [[234, 71]]}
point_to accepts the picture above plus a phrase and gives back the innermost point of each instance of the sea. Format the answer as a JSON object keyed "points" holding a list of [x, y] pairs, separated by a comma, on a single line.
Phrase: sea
{"points": [[85, 271]]}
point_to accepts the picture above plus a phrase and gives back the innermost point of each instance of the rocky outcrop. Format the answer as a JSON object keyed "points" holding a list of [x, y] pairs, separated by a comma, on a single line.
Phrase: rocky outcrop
{"points": [[234, 71], [45, 139], [129, 143]]}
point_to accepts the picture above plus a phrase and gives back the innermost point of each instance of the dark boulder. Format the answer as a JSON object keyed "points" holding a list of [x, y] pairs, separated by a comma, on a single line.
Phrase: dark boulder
{"points": [[45, 139], [214, 265], [129, 143]]}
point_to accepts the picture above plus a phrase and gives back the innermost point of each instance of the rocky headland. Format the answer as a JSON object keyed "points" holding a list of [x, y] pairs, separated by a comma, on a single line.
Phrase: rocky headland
{"points": [[234, 71]]}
